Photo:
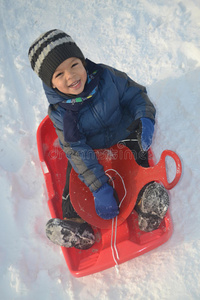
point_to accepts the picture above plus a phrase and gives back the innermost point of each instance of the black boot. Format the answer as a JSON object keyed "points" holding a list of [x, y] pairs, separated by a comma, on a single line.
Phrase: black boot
{"points": [[152, 205], [70, 233]]}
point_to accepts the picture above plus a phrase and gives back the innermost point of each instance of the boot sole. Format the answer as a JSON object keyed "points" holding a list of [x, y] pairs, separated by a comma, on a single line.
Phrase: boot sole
{"points": [[152, 206], [69, 234]]}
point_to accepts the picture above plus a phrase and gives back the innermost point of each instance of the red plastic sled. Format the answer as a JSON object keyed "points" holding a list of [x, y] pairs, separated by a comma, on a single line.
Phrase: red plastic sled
{"points": [[117, 240]]}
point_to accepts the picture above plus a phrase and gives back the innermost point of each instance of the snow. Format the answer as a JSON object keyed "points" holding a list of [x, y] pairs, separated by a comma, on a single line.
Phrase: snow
{"points": [[158, 44]]}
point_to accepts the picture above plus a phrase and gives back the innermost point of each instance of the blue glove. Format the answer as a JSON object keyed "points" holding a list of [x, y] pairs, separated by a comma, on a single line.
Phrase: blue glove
{"points": [[105, 202], [145, 133]]}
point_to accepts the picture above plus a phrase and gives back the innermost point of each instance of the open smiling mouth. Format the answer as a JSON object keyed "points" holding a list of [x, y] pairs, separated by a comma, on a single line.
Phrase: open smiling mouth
{"points": [[75, 84]]}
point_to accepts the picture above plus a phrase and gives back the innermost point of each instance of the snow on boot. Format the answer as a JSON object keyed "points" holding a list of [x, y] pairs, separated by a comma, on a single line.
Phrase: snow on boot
{"points": [[152, 206], [70, 233]]}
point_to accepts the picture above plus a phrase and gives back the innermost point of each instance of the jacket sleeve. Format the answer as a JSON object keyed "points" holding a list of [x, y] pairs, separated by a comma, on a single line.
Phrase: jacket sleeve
{"points": [[132, 95], [80, 155]]}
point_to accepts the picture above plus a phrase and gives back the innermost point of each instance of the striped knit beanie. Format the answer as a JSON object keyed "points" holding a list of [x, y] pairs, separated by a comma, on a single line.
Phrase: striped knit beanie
{"points": [[49, 50]]}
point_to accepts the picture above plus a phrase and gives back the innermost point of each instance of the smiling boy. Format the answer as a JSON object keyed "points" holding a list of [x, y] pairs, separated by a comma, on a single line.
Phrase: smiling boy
{"points": [[94, 106]]}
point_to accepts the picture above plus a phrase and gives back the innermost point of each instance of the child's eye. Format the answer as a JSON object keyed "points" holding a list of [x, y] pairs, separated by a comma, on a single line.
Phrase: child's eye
{"points": [[59, 74], [74, 65]]}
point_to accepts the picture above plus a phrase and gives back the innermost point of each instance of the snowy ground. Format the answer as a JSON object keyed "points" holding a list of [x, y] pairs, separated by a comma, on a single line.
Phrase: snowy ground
{"points": [[158, 44]]}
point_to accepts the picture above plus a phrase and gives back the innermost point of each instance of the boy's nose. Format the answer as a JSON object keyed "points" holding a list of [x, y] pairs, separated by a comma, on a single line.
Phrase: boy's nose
{"points": [[68, 75]]}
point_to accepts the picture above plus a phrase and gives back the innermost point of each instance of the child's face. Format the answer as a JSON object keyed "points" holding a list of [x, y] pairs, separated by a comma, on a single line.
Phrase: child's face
{"points": [[70, 76]]}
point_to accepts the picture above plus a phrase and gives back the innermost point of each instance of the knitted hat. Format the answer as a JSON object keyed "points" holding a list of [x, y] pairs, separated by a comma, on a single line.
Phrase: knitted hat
{"points": [[49, 50]]}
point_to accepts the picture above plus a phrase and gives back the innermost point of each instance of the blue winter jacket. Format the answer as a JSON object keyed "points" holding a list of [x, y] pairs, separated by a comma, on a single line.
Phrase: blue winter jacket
{"points": [[109, 117]]}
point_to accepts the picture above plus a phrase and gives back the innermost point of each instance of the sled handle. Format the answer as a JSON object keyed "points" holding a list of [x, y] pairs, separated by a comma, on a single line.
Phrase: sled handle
{"points": [[162, 166]]}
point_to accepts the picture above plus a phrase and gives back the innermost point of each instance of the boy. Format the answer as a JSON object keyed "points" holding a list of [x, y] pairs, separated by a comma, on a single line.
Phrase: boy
{"points": [[94, 106]]}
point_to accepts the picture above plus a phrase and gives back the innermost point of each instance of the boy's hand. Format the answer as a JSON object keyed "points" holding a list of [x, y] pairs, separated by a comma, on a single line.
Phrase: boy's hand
{"points": [[105, 202], [145, 133]]}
